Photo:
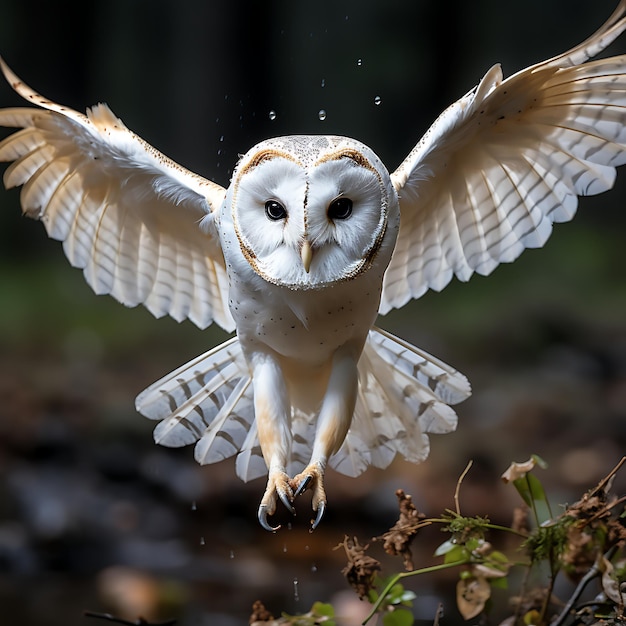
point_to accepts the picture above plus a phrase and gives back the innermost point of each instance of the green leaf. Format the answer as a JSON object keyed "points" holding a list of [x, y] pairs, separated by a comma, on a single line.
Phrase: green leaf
{"points": [[446, 547], [399, 617], [407, 597], [499, 583], [323, 609], [395, 594], [532, 492]]}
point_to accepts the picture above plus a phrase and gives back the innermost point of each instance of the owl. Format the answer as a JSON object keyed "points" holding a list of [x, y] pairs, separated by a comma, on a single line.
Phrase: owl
{"points": [[311, 240]]}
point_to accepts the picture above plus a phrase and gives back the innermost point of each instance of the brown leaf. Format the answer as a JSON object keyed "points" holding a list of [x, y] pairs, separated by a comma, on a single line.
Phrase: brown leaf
{"points": [[361, 567], [260, 614], [610, 584], [518, 470], [397, 540], [471, 595]]}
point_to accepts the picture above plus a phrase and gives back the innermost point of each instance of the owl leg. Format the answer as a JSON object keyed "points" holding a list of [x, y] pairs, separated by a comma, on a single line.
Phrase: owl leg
{"points": [[273, 417], [332, 427]]}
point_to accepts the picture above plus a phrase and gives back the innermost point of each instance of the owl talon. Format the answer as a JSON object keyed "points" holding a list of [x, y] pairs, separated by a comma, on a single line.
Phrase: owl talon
{"points": [[262, 517], [286, 500], [302, 487], [321, 509]]}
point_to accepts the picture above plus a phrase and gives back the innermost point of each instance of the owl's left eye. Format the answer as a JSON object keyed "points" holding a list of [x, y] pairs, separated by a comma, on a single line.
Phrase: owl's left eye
{"points": [[340, 208], [275, 210]]}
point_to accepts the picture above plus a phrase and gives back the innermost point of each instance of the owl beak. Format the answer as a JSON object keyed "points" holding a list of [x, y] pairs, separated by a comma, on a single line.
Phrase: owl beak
{"points": [[306, 254]]}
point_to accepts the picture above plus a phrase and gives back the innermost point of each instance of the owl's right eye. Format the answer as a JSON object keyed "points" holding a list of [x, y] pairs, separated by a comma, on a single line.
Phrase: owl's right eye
{"points": [[275, 210]]}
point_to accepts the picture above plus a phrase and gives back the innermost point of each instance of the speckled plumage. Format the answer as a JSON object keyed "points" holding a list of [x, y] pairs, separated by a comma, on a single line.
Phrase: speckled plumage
{"points": [[312, 239]]}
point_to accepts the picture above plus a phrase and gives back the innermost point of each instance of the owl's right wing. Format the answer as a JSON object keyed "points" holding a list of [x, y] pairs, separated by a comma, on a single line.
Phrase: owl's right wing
{"points": [[505, 162], [128, 216]]}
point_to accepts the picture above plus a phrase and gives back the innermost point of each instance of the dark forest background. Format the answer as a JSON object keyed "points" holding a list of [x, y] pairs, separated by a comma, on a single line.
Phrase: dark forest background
{"points": [[92, 514]]}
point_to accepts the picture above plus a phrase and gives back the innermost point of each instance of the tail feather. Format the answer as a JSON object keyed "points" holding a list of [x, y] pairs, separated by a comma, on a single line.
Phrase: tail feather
{"points": [[208, 400], [404, 393], [250, 463]]}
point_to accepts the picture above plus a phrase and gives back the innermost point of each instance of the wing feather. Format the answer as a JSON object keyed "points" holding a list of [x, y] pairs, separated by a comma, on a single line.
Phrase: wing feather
{"points": [[505, 162], [127, 215]]}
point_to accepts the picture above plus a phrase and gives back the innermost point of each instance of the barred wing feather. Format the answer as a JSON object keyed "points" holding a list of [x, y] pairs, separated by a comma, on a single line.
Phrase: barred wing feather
{"points": [[504, 163], [128, 216]]}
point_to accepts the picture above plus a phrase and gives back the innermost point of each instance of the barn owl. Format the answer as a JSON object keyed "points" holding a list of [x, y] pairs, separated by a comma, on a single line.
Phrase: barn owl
{"points": [[312, 239]]}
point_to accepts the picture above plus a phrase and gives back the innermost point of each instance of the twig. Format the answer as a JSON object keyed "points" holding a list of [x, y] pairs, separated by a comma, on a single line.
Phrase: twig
{"points": [[610, 475], [438, 614], [458, 486], [593, 572], [394, 580]]}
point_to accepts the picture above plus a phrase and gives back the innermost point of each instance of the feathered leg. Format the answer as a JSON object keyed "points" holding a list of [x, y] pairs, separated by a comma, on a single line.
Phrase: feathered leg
{"points": [[273, 417], [332, 426]]}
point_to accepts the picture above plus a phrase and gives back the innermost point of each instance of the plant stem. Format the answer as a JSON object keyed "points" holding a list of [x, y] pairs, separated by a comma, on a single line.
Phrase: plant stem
{"points": [[397, 577]]}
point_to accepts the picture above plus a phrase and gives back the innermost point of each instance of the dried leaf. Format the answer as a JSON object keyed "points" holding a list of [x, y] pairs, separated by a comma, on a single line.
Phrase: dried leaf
{"points": [[260, 614], [361, 567], [397, 540], [471, 595], [518, 470], [610, 584]]}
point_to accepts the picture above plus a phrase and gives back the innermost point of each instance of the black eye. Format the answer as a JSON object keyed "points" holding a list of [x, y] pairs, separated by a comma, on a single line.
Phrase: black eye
{"points": [[340, 209], [275, 210]]}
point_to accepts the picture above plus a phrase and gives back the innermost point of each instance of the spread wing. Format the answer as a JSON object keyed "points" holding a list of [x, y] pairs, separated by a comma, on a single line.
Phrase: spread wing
{"points": [[505, 162], [127, 215]]}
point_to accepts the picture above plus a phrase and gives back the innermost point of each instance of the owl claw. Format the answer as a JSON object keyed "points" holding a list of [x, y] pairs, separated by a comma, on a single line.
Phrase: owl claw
{"points": [[312, 477], [262, 517], [321, 509], [285, 499], [277, 485], [303, 486]]}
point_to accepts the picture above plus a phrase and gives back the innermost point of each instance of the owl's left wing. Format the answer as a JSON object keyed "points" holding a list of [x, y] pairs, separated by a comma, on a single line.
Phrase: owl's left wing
{"points": [[507, 160], [128, 216]]}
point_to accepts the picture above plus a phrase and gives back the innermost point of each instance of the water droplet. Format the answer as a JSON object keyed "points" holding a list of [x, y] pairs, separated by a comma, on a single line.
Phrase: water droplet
{"points": [[323, 82], [359, 62], [232, 554], [222, 138], [314, 568], [307, 548], [284, 547], [377, 100], [288, 525], [194, 506], [296, 595], [202, 541], [272, 115], [322, 115]]}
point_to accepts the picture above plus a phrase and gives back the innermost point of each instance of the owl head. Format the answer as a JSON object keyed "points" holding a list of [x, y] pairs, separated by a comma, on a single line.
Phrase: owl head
{"points": [[310, 211]]}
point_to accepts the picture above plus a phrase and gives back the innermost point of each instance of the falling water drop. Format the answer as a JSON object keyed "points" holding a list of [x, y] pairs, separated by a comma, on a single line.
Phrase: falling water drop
{"points": [[296, 595], [222, 138], [272, 115], [322, 114], [194, 506], [323, 82], [232, 554], [377, 100], [284, 547], [359, 62], [202, 541], [314, 568]]}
